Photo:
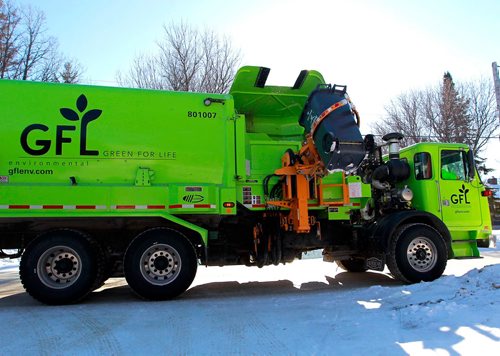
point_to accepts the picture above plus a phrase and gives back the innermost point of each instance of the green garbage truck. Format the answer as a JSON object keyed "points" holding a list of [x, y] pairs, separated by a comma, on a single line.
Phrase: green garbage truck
{"points": [[100, 182]]}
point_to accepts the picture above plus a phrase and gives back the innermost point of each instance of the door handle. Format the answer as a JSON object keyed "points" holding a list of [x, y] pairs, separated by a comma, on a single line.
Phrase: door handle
{"points": [[438, 195]]}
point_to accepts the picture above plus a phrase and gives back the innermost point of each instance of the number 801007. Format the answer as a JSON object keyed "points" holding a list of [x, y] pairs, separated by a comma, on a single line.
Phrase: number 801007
{"points": [[202, 114]]}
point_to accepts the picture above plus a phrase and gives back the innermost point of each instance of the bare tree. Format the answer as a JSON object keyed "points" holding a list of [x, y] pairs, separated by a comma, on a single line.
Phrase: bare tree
{"points": [[405, 115], [9, 37], [219, 61], [187, 60], [447, 113], [180, 57], [35, 46], [47, 70], [145, 72], [483, 121], [27, 52]]}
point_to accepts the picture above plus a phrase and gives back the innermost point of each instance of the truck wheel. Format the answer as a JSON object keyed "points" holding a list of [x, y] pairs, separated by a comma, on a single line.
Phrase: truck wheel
{"points": [[160, 264], [352, 265], [59, 267], [417, 252]]}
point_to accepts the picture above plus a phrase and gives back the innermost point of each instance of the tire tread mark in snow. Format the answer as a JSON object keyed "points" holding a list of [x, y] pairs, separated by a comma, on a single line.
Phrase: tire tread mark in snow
{"points": [[47, 340], [243, 330], [267, 338], [103, 340]]}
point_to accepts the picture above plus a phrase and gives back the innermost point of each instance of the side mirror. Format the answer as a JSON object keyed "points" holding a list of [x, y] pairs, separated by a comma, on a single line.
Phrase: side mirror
{"points": [[471, 165]]}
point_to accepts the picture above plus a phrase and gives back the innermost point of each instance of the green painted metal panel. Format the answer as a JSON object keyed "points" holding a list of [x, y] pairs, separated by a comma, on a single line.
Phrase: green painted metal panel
{"points": [[270, 109], [73, 149], [456, 201], [173, 134]]}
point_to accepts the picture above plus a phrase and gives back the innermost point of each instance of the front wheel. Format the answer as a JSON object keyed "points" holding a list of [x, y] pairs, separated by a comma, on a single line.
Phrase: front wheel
{"points": [[417, 252], [160, 264]]}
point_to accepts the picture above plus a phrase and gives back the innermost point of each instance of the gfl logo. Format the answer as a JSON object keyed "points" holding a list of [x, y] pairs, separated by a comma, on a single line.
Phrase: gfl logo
{"points": [[462, 197], [41, 147]]}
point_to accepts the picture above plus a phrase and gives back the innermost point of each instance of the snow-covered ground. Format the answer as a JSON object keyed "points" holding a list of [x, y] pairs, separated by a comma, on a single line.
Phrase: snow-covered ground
{"points": [[307, 307]]}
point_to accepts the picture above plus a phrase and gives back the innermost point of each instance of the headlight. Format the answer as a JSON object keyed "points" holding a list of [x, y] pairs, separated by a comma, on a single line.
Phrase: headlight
{"points": [[405, 194]]}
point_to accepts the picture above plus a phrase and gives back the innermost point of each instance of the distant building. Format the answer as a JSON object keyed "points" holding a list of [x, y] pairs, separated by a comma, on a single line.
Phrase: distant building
{"points": [[494, 201], [492, 181]]}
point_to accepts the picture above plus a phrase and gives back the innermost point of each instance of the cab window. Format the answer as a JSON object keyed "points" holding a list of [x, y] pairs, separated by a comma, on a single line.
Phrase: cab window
{"points": [[423, 165], [453, 165]]}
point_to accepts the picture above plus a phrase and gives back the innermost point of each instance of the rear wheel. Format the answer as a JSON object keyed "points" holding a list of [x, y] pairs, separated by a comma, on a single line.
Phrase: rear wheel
{"points": [[160, 264], [59, 267], [352, 265], [417, 252]]}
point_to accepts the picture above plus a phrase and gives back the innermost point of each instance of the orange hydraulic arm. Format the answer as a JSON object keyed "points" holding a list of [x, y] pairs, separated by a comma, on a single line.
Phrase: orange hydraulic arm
{"points": [[306, 167], [296, 188]]}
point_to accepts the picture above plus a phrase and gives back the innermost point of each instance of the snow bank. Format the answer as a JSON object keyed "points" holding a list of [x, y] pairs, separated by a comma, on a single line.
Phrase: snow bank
{"points": [[451, 308]]}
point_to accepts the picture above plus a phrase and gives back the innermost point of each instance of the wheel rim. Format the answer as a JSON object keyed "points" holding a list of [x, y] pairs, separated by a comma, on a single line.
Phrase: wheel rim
{"points": [[160, 264], [59, 267], [422, 254]]}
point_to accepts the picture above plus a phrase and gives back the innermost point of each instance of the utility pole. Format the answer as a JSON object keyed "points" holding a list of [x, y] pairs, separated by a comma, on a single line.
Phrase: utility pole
{"points": [[496, 82]]}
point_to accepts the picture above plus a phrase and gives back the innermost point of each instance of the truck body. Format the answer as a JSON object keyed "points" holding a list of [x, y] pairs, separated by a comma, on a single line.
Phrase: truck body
{"points": [[98, 182]]}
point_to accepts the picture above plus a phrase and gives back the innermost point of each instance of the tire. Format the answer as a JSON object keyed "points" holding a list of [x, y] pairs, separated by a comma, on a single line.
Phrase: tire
{"points": [[59, 267], [160, 264], [102, 265], [352, 265], [417, 253]]}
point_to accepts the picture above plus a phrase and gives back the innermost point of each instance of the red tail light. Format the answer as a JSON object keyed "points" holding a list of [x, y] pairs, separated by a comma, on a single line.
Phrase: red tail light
{"points": [[487, 193]]}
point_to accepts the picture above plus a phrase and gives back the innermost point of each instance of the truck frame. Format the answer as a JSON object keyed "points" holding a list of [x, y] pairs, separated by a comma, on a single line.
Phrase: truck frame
{"points": [[99, 182]]}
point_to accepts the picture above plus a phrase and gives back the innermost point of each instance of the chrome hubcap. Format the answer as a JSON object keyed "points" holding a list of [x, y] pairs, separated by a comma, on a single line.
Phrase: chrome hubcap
{"points": [[160, 264], [421, 254], [59, 267]]}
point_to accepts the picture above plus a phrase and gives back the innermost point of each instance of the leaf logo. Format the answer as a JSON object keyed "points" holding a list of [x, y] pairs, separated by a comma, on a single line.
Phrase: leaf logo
{"points": [[86, 117], [81, 105], [460, 198]]}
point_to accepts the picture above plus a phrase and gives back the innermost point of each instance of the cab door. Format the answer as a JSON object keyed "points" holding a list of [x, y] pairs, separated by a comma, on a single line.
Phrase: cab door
{"points": [[459, 194]]}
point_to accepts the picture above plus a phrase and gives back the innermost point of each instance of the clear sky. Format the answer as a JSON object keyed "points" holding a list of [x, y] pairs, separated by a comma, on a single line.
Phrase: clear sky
{"points": [[378, 48]]}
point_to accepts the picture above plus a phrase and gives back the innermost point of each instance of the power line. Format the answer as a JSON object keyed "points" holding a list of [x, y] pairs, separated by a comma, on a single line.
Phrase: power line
{"points": [[439, 137]]}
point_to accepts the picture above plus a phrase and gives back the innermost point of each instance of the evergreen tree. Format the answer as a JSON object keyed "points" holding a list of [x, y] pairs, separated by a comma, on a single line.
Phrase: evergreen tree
{"points": [[70, 73], [451, 123]]}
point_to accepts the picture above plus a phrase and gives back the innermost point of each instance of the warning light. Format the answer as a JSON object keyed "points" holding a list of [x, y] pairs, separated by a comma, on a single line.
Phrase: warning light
{"points": [[487, 193], [228, 204]]}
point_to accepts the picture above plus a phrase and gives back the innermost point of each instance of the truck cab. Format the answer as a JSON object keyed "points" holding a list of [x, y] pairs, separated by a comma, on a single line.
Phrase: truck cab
{"points": [[445, 183]]}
